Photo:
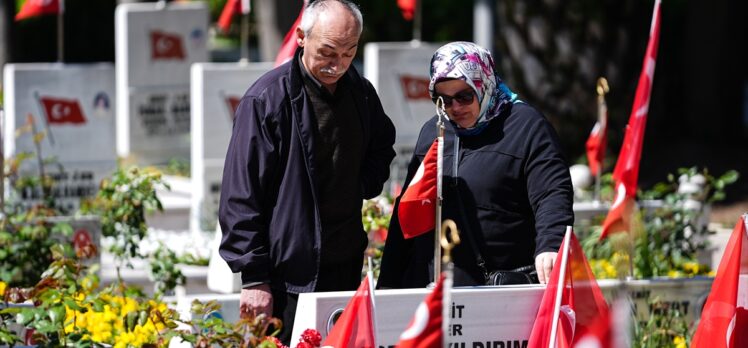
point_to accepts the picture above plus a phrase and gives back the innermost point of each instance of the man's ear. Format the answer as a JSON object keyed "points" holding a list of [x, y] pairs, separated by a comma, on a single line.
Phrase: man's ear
{"points": [[300, 37]]}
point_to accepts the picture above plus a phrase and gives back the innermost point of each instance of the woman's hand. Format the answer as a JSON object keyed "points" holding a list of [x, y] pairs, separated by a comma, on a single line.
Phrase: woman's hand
{"points": [[544, 265]]}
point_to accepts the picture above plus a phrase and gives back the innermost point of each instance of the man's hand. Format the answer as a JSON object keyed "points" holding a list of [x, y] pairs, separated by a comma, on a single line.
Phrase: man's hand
{"points": [[544, 265], [255, 301]]}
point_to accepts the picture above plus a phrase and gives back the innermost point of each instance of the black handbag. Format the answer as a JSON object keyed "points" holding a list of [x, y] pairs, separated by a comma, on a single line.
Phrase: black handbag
{"points": [[523, 275]]}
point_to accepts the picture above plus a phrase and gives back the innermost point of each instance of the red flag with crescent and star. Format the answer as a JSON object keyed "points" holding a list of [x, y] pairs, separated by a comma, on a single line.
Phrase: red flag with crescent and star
{"points": [[62, 111], [724, 320], [417, 207], [425, 329], [626, 172], [166, 46]]}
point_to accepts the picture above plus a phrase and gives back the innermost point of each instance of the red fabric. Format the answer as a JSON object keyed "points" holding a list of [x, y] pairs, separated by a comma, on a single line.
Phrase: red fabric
{"points": [[166, 46], [355, 327], [599, 335], [722, 323], [596, 145], [233, 103], [61, 111], [288, 48], [626, 172], [229, 10], [33, 8], [408, 8], [415, 87], [582, 303], [417, 208], [425, 329]]}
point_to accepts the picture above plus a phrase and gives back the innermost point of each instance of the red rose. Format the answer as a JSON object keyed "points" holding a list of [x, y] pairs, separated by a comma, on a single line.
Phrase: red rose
{"points": [[312, 337]]}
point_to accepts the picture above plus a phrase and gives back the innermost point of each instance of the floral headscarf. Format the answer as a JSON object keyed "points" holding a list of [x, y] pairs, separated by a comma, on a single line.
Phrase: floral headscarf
{"points": [[474, 65]]}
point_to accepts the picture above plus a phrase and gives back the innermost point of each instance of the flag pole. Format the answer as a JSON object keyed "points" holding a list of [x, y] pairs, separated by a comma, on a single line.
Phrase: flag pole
{"points": [[417, 19], [602, 119], [60, 32], [444, 239], [244, 10], [561, 285], [439, 169], [45, 117], [370, 276]]}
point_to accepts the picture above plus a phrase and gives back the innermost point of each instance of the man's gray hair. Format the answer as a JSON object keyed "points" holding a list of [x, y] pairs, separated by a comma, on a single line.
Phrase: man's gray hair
{"points": [[312, 11]]}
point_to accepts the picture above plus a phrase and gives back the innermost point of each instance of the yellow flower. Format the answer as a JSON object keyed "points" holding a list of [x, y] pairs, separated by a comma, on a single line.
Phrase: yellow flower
{"points": [[679, 342], [2, 288], [691, 268]]}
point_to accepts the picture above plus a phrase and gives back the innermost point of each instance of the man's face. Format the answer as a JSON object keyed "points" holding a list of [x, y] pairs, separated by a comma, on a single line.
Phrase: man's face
{"points": [[330, 46]]}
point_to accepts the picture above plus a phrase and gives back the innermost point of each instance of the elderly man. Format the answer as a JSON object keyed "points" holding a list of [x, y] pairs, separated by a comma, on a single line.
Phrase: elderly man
{"points": [[310, 142]]}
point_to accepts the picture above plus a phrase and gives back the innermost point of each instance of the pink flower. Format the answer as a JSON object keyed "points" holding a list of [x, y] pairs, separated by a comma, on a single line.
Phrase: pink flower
{"points": [[303, 344], [310, 336]]}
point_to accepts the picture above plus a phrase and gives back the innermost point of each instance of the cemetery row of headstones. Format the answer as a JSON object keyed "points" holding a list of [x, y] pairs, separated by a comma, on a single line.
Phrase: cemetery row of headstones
{"points": [[161, 101]]}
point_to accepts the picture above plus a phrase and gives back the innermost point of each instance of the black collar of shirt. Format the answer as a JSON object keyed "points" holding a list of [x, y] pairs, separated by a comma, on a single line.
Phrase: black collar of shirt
{"points": [[317, 87]]}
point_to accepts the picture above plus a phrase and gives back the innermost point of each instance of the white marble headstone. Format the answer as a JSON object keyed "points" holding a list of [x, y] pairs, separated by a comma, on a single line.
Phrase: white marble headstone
{"points": [[216, 91], [73, 105], [155, 46], [400, 73]]}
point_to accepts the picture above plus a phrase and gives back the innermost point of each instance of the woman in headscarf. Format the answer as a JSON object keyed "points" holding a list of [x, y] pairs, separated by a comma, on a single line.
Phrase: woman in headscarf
{"points": [[505, 181]]}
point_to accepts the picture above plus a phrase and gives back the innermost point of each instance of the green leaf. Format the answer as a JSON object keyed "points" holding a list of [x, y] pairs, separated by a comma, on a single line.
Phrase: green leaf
{"points": [[73, 305], [57, 314], [24, 318]]}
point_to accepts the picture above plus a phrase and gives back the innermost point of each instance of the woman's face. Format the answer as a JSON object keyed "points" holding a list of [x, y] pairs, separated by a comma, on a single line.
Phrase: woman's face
{"points": [[460, 102]]}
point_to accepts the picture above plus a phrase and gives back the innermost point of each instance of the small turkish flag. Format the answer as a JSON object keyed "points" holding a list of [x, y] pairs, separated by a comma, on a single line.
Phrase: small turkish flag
{"points": [[417, 208], [83, 245], [425, 329], [61, 110], [415, 87], [166, 46]]}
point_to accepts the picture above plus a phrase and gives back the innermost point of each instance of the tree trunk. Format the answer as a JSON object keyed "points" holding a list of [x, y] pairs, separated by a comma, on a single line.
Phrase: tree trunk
{"points": [[7, 12]]}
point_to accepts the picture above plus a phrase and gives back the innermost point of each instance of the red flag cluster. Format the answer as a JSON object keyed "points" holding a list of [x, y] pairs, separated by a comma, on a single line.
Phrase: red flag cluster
{"points": [[572, 303], [34, 8], [416, 210], [724, 320], [626, 172]]}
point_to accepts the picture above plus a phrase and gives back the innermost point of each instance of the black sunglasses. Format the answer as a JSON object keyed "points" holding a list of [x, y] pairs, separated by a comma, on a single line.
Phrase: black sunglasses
{"points": [[465, 97]]}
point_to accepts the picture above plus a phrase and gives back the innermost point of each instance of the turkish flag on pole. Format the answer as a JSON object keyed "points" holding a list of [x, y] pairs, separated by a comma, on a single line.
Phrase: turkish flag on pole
{"points": [[723, 320], [289, 41], [33, 8], [425, 329], [572, 302], [408, 8], [626, 172], [417, 208], [597, 141], [166, 46], [61, 111], [356, 326]]}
